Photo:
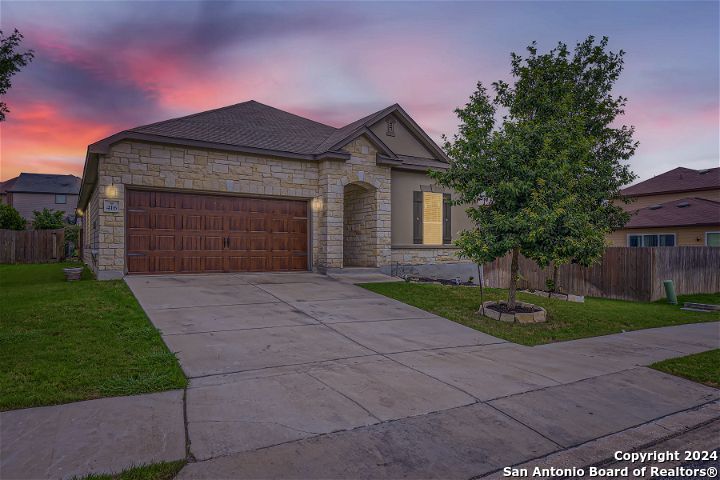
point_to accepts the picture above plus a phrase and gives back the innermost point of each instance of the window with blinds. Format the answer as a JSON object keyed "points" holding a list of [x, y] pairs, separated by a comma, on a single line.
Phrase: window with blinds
{"points": [[432, 218]]}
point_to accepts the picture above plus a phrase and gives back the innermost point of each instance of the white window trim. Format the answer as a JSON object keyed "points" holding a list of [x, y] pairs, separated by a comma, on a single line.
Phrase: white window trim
{"points": [[627, 240], [706, 237]]}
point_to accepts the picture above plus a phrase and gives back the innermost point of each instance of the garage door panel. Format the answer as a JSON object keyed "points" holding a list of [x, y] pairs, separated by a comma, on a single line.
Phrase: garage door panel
{"points": [[280, 243], [256, 205], [298, 210], [171, 232], [192, 242], [138, 219], [237, 243], [257, 263], [191, 264], [297, 243], [165, 200], [257, 243], [281, 262], [138, 241], [213, 222], [138, 264], [238, 263], [166, 264], [257, 224], [164, 221], [138, 200], [238, 223], [297, 225], [165, 242], [278, 225], [192, 222], [216, 204], [214, 264], [298, 262], [213, 243]]}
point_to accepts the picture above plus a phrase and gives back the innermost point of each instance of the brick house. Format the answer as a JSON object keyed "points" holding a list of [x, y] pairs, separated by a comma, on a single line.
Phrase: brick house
{"points": [[34, 191], [680, 207], [252, 188]]}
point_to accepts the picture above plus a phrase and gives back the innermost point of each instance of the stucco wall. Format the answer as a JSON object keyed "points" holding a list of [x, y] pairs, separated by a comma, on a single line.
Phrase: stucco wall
{"points": [[403, 142], [403, 185], [684, 236], [26, 203]]}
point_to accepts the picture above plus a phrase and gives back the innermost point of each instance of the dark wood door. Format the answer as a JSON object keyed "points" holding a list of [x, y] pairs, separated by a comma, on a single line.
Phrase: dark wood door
{"points": [[170, 232]]}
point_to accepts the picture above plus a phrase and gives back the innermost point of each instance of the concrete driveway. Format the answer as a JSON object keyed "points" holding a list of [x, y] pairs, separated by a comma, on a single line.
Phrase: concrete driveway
{"points": [[300, 375]]}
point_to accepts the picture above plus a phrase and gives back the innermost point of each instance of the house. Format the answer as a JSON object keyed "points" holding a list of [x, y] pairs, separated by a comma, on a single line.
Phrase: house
{"points": [[679, 207], [249, 187], [34, 191], [4, 187]]}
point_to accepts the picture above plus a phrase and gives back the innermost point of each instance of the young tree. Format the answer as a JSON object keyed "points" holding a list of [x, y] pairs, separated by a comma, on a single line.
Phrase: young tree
{"points": [[10, 219], [48, 219], [539, 181], [11, 61]]}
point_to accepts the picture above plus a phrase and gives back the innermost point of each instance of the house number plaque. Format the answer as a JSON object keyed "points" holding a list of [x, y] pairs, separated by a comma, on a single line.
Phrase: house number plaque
{"points": [[111, 206]]}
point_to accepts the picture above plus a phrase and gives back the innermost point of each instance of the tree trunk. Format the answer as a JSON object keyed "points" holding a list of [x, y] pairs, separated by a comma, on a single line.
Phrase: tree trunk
{"points": [[514, 267], [555, 278]]}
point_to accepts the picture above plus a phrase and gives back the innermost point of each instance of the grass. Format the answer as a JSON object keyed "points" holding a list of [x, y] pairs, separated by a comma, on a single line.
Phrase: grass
{"points": [[68, 341], [156, 471], [566, 320], [701, 367]]}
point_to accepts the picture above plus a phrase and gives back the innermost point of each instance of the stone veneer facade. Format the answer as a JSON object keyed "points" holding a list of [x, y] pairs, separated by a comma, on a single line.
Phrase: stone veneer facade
{"points": [[322, 183]]}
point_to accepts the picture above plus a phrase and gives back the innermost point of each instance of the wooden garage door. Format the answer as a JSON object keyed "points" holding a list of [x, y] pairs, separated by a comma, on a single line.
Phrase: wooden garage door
{"points": [[168, 232]]}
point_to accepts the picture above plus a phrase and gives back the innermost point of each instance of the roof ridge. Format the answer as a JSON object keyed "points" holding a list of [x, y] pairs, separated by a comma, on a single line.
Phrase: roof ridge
{"points": [[183, 117], [293, 114], [228, 107]]}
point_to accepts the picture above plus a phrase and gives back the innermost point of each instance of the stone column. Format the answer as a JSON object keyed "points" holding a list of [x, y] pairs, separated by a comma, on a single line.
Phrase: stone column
{"points": [[330, 215], [383, 228]]}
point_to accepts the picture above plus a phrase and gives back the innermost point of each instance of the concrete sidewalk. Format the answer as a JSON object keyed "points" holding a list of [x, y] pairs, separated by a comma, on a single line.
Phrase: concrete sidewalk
{"points": [[302, 376]]}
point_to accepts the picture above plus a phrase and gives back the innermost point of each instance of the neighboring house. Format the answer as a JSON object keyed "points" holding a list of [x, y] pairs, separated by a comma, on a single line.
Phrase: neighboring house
{"points": [[677, 208], [35, 191], [249, 187], [4, 186]]}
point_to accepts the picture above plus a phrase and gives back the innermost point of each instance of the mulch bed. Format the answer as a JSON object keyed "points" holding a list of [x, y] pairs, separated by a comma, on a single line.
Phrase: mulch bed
{"points": [[503, 308]]}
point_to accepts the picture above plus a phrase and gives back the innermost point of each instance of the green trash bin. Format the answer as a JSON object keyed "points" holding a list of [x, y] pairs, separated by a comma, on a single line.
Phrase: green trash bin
{"points": [[670, 292]]}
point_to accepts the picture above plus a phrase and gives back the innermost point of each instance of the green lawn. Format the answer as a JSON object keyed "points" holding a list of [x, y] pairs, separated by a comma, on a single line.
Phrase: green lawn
{"points": [[701, 367], [156, 471], [68, 341], [566, 320]]}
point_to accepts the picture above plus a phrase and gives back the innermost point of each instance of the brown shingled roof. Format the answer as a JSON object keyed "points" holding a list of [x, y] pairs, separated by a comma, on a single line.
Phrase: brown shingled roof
{"points": [[680, 179], [686, 212], [247, 124], [254, 128]]}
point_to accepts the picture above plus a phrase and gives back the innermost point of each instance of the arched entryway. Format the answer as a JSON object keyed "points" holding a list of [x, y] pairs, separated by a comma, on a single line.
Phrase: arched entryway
{"points": [[359, 225]]}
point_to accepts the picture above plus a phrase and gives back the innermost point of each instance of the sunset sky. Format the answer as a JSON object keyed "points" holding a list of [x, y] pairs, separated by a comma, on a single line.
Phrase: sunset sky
{"points": [[102, 67]]}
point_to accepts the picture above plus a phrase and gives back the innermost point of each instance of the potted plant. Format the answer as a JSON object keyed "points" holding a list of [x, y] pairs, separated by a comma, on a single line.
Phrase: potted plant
{"points": [[73, 273]]}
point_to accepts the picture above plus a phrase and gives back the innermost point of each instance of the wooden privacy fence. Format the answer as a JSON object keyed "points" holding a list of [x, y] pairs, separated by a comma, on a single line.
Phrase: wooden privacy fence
{"points": [[624, 273], [32, 246]]}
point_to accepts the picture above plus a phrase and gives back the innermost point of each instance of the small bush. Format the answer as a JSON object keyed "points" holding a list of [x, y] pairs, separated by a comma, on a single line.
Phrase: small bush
{"points": [[72, 236], [10, 219], [48, 219]]}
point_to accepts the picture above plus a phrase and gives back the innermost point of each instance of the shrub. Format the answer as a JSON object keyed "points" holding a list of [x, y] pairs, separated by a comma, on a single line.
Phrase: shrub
{"points": [[48, 219], [72, 235], [10, 219]]}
